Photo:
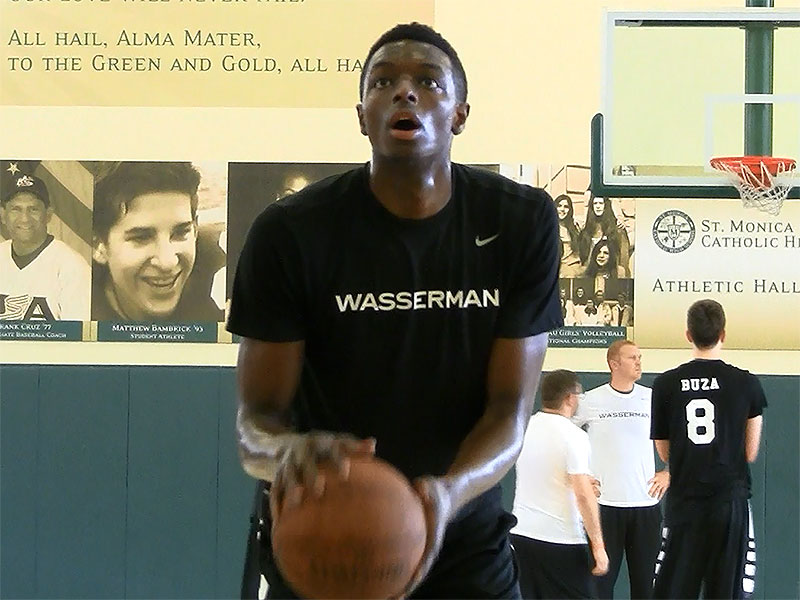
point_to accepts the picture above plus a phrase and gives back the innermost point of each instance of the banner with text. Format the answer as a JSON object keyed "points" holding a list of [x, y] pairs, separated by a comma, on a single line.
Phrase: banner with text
{"points": [[749, 261], [264, 53]]}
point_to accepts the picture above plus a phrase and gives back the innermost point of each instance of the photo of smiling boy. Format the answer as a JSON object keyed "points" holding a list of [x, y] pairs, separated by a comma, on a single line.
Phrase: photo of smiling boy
{"points": [[145, 245]]}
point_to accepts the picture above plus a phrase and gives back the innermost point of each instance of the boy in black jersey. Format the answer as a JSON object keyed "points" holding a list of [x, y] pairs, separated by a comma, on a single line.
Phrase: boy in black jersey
{"points": [[401, 308], [706, 423]]}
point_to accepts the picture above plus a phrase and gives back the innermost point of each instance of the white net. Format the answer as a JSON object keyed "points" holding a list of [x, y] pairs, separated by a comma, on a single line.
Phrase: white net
{"points": [[759, 186]]}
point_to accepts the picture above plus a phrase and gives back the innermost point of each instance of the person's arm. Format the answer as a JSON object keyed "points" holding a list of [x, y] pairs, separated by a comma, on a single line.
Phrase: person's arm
{"points": [[659, 417], [752, 432], [752, 438], [268, 375], [492, 447], [590, 513], [662, 447]]}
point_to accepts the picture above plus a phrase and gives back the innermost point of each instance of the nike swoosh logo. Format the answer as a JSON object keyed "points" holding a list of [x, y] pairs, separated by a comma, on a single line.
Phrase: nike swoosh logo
{"points": [[479, 242]]}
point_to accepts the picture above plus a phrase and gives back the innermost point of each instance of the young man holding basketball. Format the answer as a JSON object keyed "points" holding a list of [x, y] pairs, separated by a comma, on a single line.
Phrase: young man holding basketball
{"points": [[401, 308], [706, 422]]}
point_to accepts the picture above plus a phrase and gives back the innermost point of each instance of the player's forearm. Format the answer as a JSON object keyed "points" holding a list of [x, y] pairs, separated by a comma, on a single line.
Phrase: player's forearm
{"points": [[262, 443], [491, 448], [662, 447], [590, 513], [752, 438], [485, 456]]}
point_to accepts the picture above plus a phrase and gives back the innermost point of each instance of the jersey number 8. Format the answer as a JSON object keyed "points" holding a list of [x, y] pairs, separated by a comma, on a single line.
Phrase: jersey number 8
{"points": [[700, 426]]}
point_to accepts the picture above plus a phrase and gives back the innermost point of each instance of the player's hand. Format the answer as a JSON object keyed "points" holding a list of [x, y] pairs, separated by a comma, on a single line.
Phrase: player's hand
{"points": [[298, 473], [600, 561], [595, 486], [659, 484], [437, 504]]}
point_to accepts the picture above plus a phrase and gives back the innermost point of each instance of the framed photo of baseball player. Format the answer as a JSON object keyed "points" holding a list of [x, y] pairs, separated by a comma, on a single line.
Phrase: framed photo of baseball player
{"points": [[45, 249]]}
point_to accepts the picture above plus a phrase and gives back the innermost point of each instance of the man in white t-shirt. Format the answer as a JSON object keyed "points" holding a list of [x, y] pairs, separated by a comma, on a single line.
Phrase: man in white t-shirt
{"points": [[41, 278], [555, 502], [617, 417]]}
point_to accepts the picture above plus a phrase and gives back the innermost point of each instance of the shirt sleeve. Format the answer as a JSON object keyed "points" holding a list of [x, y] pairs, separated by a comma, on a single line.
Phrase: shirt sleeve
{"points": [[268, 300], [578, 453], [532, 304], [659, 415], [758, 400]]}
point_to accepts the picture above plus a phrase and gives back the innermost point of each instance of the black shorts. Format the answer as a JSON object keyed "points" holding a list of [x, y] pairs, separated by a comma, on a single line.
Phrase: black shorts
{"points": [[716, 549], [476, 560], [548, 570]]}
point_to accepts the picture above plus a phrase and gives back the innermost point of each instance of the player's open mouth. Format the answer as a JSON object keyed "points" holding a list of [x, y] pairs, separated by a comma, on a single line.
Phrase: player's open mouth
{"points": [[404, 125]]}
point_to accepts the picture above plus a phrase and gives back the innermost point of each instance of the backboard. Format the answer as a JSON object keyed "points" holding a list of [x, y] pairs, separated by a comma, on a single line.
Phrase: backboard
{"points": [[682, 87]]}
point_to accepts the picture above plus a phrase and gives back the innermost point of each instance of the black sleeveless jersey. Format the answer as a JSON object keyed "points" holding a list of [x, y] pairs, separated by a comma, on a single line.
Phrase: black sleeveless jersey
{"points": [[702, 408], [399, 315]]}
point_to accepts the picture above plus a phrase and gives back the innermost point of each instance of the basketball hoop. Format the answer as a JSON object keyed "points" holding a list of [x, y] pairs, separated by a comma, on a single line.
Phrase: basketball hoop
{"points": [[763, 181]]}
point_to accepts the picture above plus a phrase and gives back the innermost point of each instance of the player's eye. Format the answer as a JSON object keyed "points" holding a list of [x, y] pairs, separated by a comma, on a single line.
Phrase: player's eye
{"points": [[181, 233], [381, 83], [429, 82], [139, 240]]}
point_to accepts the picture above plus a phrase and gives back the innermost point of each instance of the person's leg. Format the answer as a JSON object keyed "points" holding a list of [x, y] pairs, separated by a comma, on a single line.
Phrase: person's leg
{"points": [[612, 521], [732, 565], [642, 544], [524, 553], [562, 571], [681, 562]]}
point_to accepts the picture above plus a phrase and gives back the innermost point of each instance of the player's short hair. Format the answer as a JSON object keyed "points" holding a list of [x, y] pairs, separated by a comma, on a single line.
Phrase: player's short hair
{"points": [[705, 321], [615, 348], [24, 183], [114, 192], [418, 32], [556, 386]]}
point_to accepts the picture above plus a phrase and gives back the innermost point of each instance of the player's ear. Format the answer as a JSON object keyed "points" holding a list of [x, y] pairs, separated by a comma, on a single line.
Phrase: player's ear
{"points": [[361, 123], [460, 118], [689, 337], [722, 336], [48, 214], [99, 251]]}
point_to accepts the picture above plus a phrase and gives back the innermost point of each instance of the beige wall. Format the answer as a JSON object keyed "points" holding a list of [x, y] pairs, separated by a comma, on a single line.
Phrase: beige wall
{"points": [[534, 70]]}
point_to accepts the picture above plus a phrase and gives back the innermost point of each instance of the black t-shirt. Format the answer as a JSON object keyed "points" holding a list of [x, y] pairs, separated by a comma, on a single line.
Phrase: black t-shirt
{"points": [[702, 408], [399, 315]]}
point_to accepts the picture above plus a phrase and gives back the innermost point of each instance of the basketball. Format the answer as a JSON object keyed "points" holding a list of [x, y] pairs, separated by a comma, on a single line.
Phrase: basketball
{"points": [[362, 539]]}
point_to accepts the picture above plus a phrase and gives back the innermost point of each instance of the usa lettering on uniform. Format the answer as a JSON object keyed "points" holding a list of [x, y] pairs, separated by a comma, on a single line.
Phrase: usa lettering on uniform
{"points": [[696, 384]]}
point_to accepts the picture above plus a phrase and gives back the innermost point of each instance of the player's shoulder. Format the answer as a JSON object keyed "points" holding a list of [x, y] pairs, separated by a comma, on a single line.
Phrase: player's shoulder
{"points": [[576, 436], [596, 394], [735, 370], [642, 390], [485, 185]]}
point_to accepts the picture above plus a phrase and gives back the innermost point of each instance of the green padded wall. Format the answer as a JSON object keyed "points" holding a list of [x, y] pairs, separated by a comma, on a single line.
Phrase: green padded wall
{"points": [[124, 482]]}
